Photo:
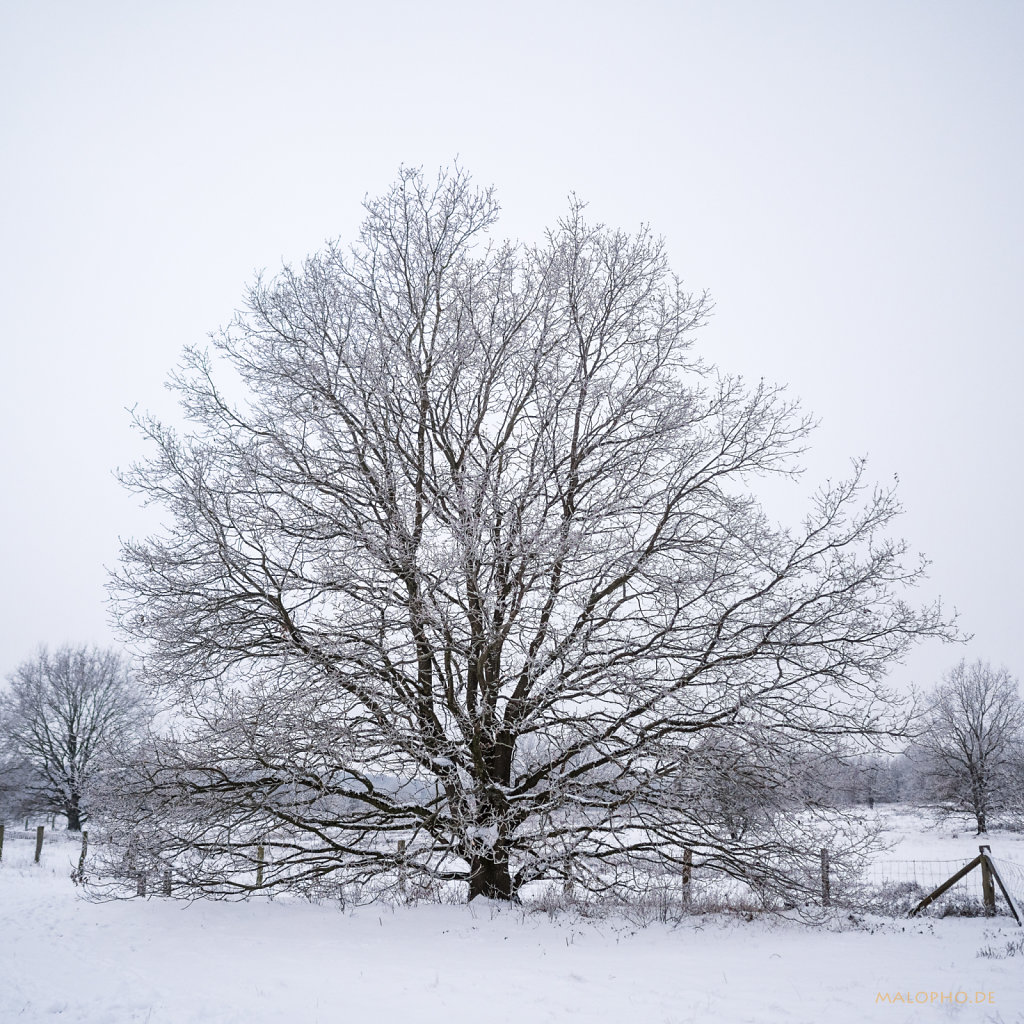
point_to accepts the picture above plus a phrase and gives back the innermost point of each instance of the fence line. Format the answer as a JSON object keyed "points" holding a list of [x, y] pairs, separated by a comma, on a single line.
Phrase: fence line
{"points": [[928, 874], [881, 884]]}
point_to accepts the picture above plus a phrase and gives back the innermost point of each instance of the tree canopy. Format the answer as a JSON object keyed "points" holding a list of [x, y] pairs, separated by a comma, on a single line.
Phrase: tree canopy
{"points": [[471, 581], [65, 720]]}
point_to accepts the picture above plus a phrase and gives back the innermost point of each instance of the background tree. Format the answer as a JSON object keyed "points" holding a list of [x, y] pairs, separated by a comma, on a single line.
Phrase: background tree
{"points": [[475, 564], [971, 748], [63, 719], [865, 778], [15, 785]]}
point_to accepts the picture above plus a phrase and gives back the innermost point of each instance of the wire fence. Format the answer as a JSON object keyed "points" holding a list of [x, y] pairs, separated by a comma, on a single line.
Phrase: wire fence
{"points": [[1011, 874], [924, 874], [898, 886], [891, 886]]}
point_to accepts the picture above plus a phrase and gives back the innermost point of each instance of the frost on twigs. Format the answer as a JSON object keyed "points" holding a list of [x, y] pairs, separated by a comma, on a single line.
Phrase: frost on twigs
{"points": [[470, 586]]}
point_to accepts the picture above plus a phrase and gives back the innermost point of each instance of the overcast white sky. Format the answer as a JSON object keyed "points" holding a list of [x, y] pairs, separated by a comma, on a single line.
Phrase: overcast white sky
{"points": [[845, 178]]}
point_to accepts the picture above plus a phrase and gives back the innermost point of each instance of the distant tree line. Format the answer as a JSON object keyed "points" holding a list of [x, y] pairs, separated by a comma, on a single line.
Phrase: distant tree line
{"points": [[76, 737], [964, 753]]}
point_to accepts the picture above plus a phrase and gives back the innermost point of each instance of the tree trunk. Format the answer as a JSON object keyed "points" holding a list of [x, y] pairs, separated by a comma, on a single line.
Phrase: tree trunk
{"points": [[490, 878], [978, 798], [74, 815]]}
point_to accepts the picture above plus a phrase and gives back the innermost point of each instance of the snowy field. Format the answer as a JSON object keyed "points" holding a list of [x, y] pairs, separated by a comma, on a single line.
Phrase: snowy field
{"points": [[170, 962]]}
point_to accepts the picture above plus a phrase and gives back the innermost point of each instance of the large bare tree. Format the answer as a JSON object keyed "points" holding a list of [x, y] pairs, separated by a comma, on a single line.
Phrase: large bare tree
{"points": [[65, 719], [971, 747], [463, 570]]}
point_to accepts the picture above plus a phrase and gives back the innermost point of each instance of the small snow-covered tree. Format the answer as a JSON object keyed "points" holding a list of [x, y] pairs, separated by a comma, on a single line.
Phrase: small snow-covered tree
{"points": [[63, 720], [971, 747], [460, 581]]}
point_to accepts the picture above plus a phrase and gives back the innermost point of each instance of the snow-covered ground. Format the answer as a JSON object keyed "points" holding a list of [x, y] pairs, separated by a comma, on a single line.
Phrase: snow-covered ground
{"points": [[169, 962], [914, 835]]}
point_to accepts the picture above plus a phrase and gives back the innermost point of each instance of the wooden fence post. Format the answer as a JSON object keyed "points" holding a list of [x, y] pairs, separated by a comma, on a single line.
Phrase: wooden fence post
{"points": [[1, 840], [141, 887], [687, 875], [947, 884], [167, 882], [259, 866], [826, 883], [401, 866], [39, 842], [988, 891]]}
